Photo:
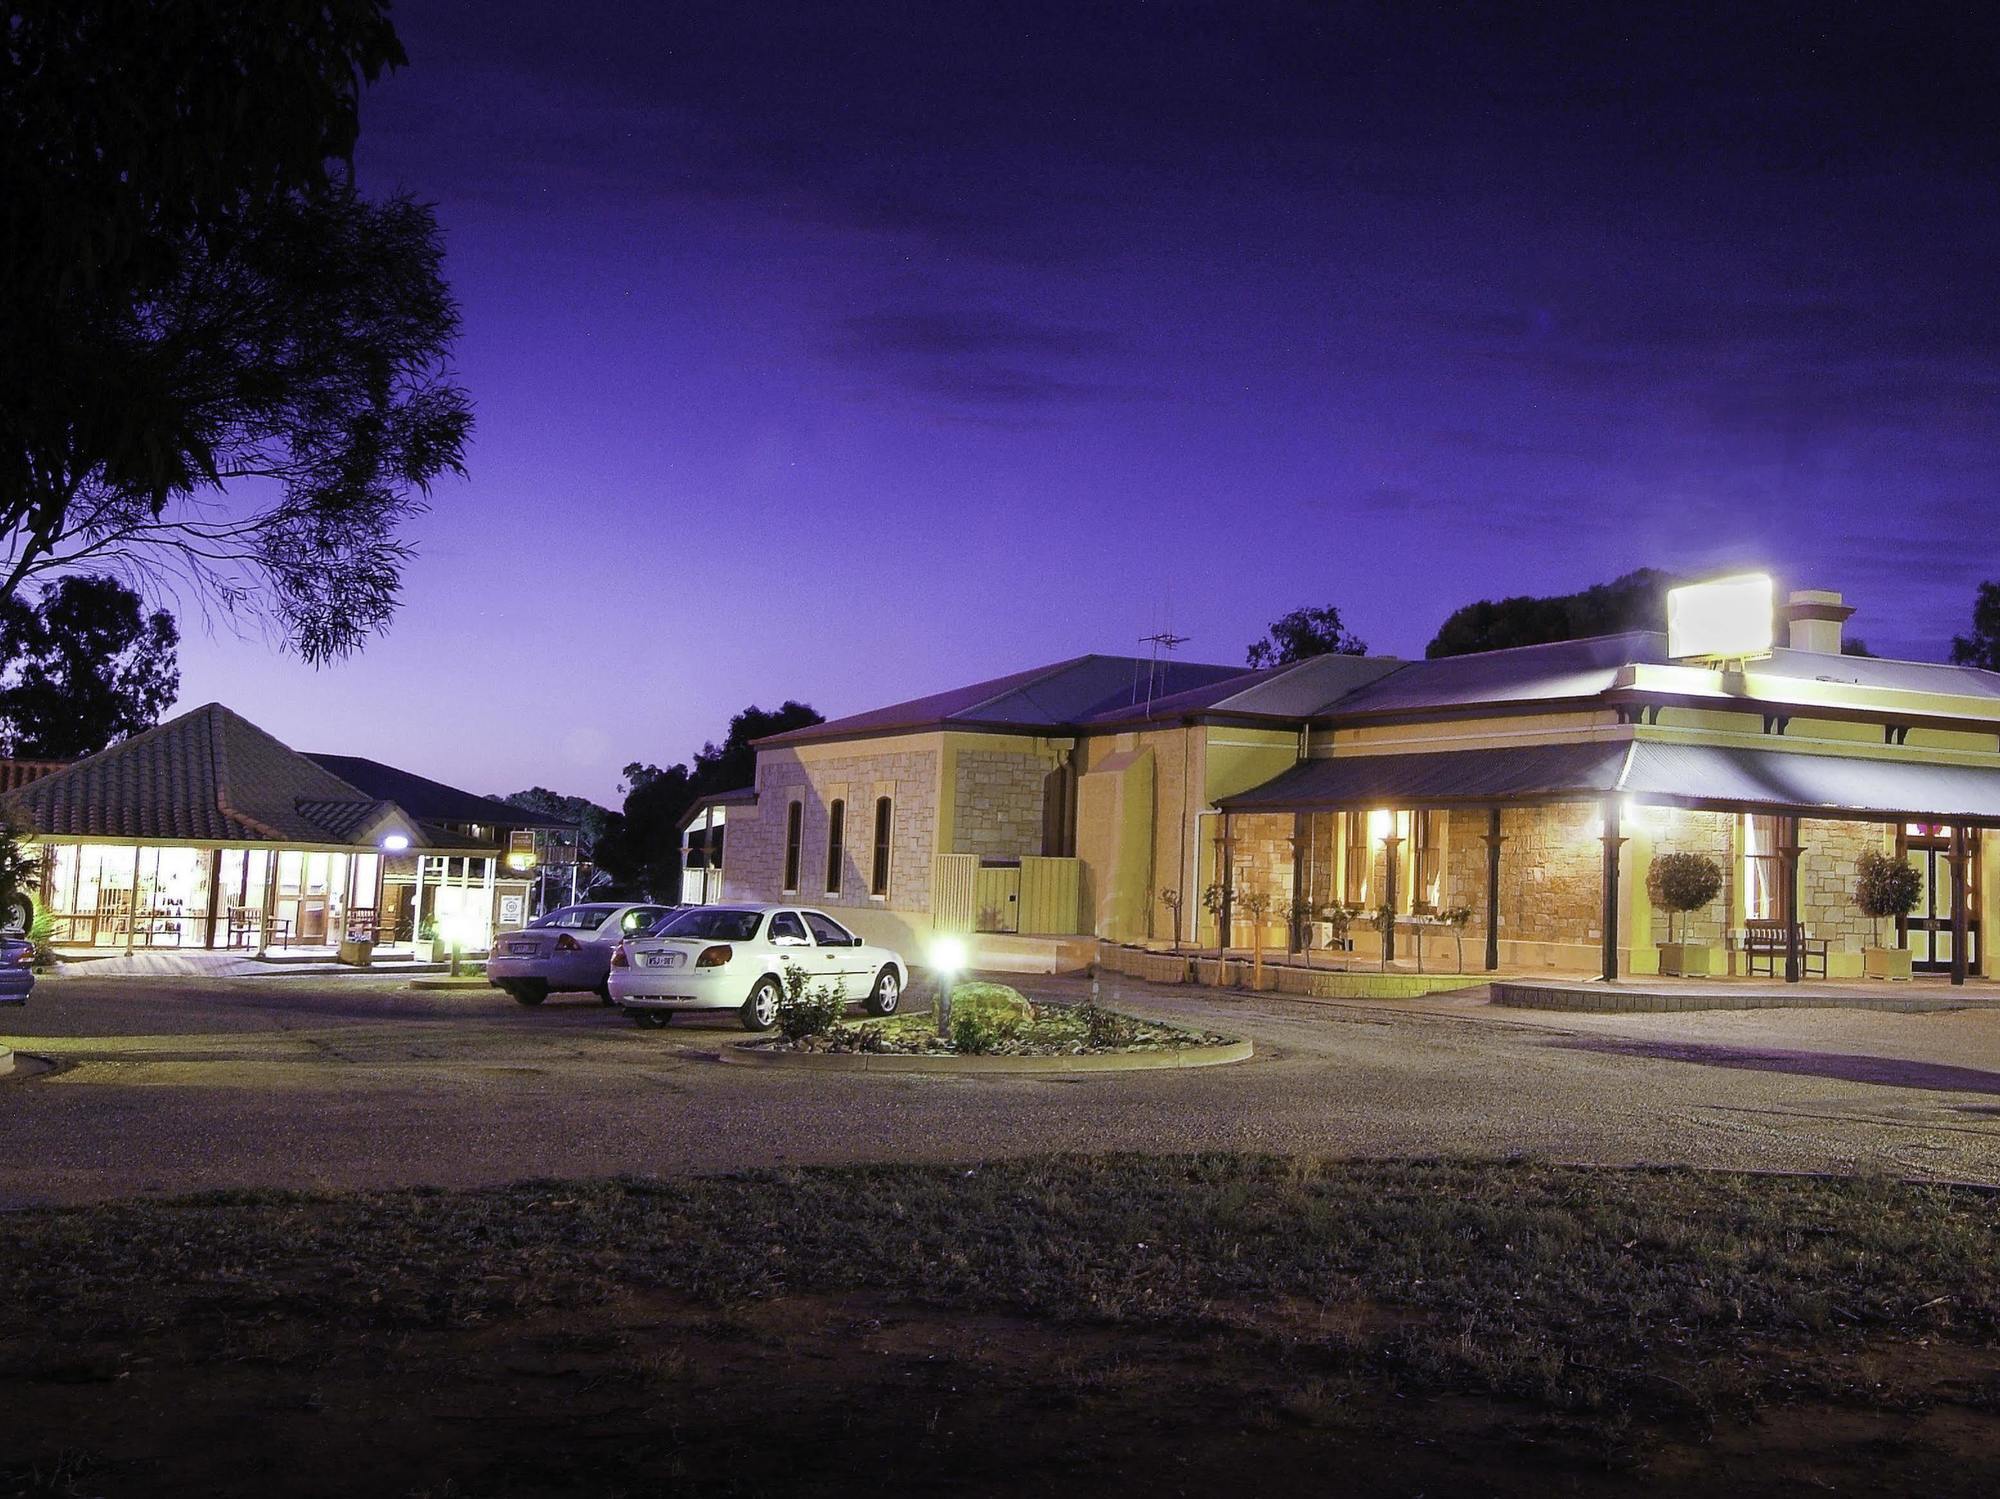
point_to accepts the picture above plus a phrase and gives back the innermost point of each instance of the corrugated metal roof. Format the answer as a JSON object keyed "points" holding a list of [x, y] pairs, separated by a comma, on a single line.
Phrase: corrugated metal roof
{"points": [[1785, 781], [1587, 668], [1295, 692], [1049, 697], [1540, 772]]}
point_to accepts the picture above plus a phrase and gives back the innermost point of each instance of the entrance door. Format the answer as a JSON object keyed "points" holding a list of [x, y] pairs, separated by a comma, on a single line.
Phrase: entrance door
{"points": [[1928, 930]]}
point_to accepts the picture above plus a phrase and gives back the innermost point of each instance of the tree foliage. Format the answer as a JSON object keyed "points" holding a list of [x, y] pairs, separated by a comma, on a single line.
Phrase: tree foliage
{"points": [[1885, 888], [1305, 633], [220, 368], [1683, 882], [581, 810], [82, 667], [1981, 647], [1636, 601], [640, 848]]}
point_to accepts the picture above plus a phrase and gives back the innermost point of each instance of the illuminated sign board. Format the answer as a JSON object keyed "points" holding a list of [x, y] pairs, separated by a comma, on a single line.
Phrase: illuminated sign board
{"points": [[1728, 619]]}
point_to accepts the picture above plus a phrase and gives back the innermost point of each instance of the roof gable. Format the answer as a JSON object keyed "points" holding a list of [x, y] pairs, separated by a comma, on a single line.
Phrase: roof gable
{"points": [[428, 800]]}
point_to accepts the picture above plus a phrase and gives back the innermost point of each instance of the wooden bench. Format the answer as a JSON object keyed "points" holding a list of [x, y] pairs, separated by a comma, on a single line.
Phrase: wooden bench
{"points": [[1764, 941]]}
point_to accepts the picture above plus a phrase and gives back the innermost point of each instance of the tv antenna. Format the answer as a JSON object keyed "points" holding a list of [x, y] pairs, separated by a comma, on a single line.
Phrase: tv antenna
{"points": [[1165, 640]]}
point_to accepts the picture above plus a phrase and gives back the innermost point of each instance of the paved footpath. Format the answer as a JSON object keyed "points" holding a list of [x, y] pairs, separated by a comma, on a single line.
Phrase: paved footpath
{"points": [[169, 1086]]}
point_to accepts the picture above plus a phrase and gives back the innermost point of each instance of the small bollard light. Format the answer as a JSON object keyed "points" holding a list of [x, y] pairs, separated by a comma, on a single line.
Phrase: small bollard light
{"points": [[948, 959]]}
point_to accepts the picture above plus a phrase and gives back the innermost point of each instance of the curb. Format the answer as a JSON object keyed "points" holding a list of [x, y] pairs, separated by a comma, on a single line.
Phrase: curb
{"points": [[6, 1061], [863, 1061], [446, 981], [1603, 1000]]}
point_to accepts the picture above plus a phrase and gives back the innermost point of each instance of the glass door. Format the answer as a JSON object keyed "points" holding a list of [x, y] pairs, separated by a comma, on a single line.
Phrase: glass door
{"points": [[1928, 931]]}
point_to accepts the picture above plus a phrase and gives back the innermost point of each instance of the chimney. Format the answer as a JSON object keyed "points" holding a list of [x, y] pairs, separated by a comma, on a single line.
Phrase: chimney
{"points": [[1814, 617]]}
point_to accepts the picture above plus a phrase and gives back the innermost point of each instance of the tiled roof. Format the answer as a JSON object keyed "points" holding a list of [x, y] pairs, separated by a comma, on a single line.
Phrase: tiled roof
{"points": [[1048, 698], [209, 776], [432, 801]]}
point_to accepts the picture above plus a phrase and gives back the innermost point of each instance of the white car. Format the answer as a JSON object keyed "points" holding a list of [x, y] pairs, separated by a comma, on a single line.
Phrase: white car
{"points": [[733, 958]]}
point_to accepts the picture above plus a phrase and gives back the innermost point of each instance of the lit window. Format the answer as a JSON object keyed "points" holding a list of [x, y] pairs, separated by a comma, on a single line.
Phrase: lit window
{"points": [[878, 880], [1354, 890], [794, 822]]}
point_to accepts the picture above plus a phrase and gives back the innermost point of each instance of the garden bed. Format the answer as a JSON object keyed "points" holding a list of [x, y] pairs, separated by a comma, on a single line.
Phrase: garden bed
{"points": [[994, 1028]]}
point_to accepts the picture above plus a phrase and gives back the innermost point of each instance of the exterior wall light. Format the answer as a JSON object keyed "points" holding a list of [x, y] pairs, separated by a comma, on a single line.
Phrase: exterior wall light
{"points": [[948, 959], [395, 843]]}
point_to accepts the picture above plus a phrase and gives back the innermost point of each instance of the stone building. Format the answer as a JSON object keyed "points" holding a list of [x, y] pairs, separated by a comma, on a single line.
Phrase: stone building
{"points": [[1511, 801]]}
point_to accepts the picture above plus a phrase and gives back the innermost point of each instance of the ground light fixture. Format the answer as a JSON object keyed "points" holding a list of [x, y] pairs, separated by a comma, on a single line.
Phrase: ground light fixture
{"points": [[458, 930], [948, 961]]}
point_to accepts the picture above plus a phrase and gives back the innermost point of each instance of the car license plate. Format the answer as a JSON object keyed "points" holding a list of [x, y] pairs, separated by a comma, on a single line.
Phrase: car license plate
{"points": [[524, 949], [662, 959]]}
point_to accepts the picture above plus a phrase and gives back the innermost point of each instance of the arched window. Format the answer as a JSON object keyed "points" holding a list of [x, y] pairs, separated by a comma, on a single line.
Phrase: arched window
{"points": [[794, 822], [878, 881], [836, 839]]}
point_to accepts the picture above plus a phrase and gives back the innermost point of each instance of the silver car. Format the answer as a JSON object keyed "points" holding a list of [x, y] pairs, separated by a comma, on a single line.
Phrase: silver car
{"points": [[568, 949]]}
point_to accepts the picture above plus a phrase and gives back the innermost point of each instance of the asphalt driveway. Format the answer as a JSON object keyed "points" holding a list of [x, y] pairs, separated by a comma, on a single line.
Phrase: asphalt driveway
{"points": [[311, 1082]]}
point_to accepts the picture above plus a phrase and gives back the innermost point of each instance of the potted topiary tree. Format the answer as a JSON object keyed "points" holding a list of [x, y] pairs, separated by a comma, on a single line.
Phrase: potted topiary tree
{"points": [[1885, 886], [1682, 883]]}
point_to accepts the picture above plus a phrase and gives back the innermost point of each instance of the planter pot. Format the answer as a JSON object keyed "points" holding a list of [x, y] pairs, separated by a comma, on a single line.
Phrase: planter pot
{"points": [[427, 949], [1687, 959], [356, 953], [1885, 962]]}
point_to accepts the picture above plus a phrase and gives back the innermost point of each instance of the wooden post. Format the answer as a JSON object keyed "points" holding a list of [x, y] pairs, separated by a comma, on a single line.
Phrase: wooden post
{"points": [[1959, 922], [214, 891], [1613, 841], [269, 901], [1789, 850], [1223, 935], [1298, 930], [132, 906], [1493, 842]]}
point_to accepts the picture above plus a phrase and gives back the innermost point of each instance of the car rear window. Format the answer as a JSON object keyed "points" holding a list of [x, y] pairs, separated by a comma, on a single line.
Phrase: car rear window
{"points": [[576, 918], [724, 926]]}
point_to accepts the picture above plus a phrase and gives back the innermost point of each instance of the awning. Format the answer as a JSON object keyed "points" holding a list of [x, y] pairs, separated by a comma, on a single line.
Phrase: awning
{"points": [[1651, 772]]}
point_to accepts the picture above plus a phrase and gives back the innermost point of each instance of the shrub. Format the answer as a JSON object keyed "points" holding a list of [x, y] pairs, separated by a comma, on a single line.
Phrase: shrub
{"points": [[1683, 882], [976, 1032], [1103, 1029], [1885, 886], [43, 934], [989, 1001], [807, 1009]]}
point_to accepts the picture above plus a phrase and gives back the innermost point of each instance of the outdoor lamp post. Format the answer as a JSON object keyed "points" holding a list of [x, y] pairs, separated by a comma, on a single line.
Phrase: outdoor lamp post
{"points": [[947, 959]]}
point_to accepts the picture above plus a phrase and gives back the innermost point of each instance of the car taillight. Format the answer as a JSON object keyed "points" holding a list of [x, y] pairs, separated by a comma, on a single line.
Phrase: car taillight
{"points": [[25, 956], [714, 957], [566, 943], [618, 958]]}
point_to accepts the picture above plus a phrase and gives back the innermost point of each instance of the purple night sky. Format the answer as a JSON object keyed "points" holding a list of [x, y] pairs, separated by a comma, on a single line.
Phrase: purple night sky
{"points": [[848, 352]]}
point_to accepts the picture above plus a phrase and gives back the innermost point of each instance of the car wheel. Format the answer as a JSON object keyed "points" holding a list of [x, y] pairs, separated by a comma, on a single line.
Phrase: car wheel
{"points": [[887, 993], [652, 1020], [18, 914], [530, 991], [604, 994], [760, 1010]]}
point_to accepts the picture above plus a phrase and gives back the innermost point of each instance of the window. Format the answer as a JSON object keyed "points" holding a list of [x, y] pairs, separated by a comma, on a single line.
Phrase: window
{"points": [[576, 918], [787, 930], [878, 876], [794, 822], [708, 921], [826, 931], [836, 838], [640, 918], [1354, 888], [1429, 856], [1763, 869]]}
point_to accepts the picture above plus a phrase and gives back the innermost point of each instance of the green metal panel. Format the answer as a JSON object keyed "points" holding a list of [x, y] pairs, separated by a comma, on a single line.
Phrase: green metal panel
{"points": [[953, 891], [1051, 897], [998, 898]]}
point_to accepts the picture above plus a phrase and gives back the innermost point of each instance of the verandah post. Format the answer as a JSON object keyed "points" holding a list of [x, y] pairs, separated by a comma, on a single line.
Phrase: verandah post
{"points": [[1959, 915], [1790, 851], [1613, 841], [1493, 842]]}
